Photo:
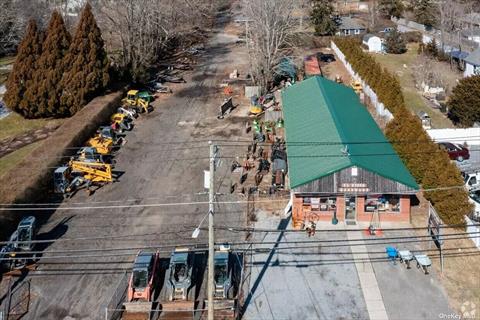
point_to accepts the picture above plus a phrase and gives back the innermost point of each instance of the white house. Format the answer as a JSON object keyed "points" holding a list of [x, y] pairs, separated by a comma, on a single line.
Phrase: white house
{"points": [[374, 43], [472, 63], [472, 34]]}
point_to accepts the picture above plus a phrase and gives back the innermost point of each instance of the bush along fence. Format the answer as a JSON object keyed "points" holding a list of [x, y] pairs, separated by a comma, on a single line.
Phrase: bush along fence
{"points": [[431, 166], [379, 107]]}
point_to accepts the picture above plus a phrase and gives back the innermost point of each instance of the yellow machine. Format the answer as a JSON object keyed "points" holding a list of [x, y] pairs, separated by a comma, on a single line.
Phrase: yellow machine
{"points": [[78, 174], [105, 140], [102, 144], [121, 122], [255, 109], [357, 86], [139, 99]]}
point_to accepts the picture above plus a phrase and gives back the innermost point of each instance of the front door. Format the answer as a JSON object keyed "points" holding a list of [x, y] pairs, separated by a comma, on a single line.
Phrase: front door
{"points": [[350, 208]]}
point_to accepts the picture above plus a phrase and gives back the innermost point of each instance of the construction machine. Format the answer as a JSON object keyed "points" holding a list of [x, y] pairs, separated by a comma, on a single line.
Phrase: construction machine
{"points": [[16, 254], [179, 289], [357, 86], [121, 122], [106, 140], [140, 100], [130, 112], [142, 284], [81, 174], [90, 154], [223, 277]]}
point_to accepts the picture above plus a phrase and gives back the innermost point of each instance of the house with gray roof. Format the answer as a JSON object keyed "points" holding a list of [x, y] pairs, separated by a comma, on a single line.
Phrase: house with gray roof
{"points": [[349, 27], [472, 64]]}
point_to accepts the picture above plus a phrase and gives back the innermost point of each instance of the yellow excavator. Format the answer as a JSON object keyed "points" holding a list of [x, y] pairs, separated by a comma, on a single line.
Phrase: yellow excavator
{"points": [[80, 174], [121, 122], [105, 141], [139, 100]]}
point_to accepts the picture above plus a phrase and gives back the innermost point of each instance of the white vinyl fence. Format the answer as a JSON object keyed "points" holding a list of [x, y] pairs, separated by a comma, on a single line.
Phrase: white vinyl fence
{"points": [[379, 107], [473, 229]]}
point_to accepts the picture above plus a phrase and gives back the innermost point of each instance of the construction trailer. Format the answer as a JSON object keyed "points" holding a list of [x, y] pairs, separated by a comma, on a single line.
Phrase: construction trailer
{"points": [[16, 254], [142, 285]]}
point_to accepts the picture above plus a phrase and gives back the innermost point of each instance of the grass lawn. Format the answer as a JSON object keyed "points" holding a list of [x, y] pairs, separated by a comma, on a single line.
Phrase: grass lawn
{"points": [[413, 99], [15, 124], [12, 159]]}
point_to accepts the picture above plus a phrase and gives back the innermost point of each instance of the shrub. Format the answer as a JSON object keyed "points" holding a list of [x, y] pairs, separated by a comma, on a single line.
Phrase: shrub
{"points": [[429, 165]]}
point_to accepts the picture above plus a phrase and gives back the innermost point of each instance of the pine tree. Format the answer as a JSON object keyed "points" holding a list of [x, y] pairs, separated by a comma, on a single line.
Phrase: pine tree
{"points": [[425, 12], [391, 8], [464, 103], [20, 78], [87, 62], [45, 92], [395, 43], [431, 48], [323, 19]]}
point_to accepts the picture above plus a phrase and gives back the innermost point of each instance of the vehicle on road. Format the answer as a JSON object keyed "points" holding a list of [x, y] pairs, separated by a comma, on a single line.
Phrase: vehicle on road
{"points": [[475, 200], [472, 180], [455, 151]]}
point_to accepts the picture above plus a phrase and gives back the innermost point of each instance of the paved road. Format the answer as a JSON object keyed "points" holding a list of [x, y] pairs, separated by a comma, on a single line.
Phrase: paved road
{"points": [[301, 283], [156, 169]]}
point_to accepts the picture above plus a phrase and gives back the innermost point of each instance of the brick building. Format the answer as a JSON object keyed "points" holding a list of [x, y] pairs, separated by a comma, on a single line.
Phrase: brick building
{"points": [[339, 161]]}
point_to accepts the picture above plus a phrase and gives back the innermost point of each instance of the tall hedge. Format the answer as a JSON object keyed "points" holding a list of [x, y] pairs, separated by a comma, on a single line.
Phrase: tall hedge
{"points": [[44, 92], [23, 69], [87, 64], [430, 165]]}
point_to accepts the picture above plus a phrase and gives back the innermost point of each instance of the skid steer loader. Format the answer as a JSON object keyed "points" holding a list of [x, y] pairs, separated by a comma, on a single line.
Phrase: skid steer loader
{"points": [[106, 141], [90, 154], [81, 174], [140, 100], [16, 254], [180, 289], [142, 284]]}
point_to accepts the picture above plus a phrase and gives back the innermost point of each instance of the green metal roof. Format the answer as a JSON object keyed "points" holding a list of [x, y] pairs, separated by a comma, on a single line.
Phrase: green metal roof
{"points": [[326, 130]]}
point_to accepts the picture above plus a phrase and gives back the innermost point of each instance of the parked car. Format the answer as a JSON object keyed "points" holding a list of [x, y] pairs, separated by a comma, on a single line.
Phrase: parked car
{"points": [[325, 57], [475, 200], [455, 151]]}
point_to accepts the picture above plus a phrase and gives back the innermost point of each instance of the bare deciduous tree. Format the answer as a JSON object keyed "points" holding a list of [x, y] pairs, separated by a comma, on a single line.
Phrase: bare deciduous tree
{"points": [[140, 29], [271, 24]]}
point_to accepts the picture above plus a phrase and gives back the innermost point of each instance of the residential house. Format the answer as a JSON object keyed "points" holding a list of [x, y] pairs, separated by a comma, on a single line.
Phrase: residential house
{"points": [[373, 43], [336, 170], [472, 63], [349, 27]]}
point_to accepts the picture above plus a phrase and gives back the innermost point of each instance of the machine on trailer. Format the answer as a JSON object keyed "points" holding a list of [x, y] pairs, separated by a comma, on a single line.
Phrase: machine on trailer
{"points": [[142, 285], [180, 289]]}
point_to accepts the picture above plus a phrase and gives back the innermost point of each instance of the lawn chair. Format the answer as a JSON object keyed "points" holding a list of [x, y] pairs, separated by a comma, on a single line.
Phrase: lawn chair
{"points": [[392, 254], [423, 261], [405, 256]]}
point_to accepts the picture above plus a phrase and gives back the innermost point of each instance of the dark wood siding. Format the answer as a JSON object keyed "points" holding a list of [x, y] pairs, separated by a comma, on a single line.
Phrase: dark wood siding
{"points": [[333, 183]]}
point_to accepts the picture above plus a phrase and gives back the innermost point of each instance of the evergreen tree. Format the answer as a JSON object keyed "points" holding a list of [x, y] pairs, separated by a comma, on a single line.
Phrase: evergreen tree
{"points": [[464, 102], [20, 78], [431, 48], [391, 8], [87, 62], [425, 12], [323, 18], [45, 92], [395, 43]]}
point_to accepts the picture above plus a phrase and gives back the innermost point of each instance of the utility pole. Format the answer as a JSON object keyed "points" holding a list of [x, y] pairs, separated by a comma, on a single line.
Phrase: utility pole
{"points": [[211, 240]]}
